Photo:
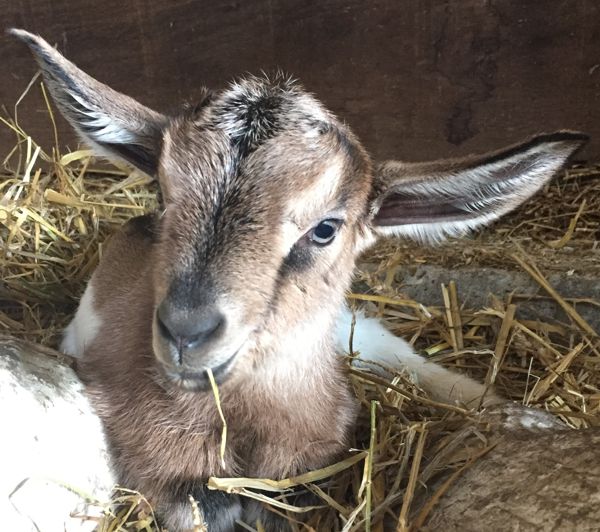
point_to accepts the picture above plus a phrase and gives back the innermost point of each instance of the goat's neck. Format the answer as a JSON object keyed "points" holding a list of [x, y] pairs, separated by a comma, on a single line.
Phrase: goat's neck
{"points": [[297, 356]]}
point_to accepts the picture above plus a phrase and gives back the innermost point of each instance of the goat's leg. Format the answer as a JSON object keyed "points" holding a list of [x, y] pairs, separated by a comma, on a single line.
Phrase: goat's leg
{"points": [[270, 521], [374, 343], [219, 510]]}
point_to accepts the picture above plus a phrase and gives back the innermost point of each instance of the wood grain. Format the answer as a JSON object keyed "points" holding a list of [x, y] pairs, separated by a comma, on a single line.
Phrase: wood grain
{"points": [[415, 79]]}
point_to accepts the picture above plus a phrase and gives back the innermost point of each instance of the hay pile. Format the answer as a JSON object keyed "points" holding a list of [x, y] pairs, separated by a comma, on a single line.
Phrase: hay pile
{"points": [[55, 212]]}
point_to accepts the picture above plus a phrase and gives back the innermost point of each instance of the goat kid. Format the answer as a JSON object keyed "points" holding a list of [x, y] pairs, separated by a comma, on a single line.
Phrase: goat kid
{"points": [[268, 201]]}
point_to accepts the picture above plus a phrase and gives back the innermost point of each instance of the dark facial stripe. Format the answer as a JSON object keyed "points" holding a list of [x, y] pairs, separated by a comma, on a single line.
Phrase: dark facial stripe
{"points": [[300, 258]]}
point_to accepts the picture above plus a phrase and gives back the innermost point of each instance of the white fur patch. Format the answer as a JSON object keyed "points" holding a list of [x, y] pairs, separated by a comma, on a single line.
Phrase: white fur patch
{"points": [[83, 327], [374, 343], [314, 205], [290, 235], [329, 181], [520, 416], [534, 421], [317, 202], [53, 455]]}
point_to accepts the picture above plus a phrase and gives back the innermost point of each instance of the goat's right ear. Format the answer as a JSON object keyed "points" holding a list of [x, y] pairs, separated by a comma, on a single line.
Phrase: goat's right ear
{"points": [[430, 201], [115, 125]]}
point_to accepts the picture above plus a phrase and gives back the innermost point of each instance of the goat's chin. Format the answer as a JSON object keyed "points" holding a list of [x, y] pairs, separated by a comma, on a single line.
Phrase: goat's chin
{"points": [[196, 379]]}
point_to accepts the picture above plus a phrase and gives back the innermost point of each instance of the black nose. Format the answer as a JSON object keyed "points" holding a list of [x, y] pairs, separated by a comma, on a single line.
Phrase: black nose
{"points": [[188, 329]]}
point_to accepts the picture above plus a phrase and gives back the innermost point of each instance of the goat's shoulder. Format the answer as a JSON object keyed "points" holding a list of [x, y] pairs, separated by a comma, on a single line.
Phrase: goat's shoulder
{"points": [[114, 315], [125, 261], [112, 288], [131, 242]]}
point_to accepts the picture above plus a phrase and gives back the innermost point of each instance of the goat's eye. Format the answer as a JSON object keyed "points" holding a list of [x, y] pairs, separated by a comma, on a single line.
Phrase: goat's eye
{"points": [[325, 232]]}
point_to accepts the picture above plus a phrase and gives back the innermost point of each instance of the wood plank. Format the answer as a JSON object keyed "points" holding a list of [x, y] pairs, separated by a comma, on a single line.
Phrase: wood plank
{"points": [[415, 79]]}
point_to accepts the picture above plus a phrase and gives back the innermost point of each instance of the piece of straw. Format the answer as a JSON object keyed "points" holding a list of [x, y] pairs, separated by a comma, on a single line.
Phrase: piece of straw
{"points": [[215, 390]]}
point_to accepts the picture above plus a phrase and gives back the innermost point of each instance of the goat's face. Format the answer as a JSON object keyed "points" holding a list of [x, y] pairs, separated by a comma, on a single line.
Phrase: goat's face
{"points": [[267, 201], [266, 196]]}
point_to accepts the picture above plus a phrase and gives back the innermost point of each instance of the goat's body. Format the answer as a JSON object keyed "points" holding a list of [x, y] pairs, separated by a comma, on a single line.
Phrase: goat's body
{"points": [[279, 423]]}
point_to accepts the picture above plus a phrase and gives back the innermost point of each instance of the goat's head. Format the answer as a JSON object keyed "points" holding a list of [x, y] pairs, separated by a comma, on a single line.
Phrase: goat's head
{"points": [[268, 200]]}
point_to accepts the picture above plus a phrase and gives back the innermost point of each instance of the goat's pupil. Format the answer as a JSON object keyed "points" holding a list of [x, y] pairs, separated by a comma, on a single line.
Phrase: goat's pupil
{"points": [[324, 231]]}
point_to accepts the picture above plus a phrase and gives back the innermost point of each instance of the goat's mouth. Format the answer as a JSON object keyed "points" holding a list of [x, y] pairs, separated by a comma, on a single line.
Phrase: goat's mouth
{"points": [[192, 380]]}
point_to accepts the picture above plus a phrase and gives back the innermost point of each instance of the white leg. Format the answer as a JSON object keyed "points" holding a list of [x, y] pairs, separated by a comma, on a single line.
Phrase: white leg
{"points": [[375, 343]]}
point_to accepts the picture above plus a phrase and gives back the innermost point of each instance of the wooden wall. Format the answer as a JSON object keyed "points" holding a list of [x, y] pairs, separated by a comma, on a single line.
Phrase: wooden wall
{"points": [[417, 79]]}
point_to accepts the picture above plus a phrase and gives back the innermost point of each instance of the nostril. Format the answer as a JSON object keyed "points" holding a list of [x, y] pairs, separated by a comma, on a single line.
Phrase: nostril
{"points": [[164, 329], [205, 329], [188, 329]]}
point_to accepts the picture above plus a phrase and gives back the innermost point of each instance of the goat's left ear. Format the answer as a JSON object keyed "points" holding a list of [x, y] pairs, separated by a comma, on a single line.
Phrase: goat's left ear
{"points": [[115, 125], [429, 201]]}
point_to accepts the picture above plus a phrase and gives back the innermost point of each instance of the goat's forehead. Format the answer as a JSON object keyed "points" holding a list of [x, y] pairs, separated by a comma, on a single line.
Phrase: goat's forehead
{"points": [[268, 142], [253, 110]]}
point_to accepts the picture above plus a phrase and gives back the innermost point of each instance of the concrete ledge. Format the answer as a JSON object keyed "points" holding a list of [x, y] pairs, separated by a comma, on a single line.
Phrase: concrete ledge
{"points": [[475, 285]]}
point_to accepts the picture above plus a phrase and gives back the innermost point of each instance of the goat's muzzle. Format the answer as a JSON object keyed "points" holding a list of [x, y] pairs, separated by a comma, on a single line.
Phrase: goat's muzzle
{"points": [[188, 342], [188, 330]]}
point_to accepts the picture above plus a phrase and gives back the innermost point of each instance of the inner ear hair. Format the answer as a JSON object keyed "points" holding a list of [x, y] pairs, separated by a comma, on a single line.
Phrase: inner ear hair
{"points": [[440, 198]]}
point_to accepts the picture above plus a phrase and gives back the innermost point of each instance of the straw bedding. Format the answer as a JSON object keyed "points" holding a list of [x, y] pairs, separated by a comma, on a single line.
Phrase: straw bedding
{"points": [[57, 210]]}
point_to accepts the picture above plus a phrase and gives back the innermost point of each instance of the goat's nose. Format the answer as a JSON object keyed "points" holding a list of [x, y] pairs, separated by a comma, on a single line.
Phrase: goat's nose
{"points": [[188, 329]]}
